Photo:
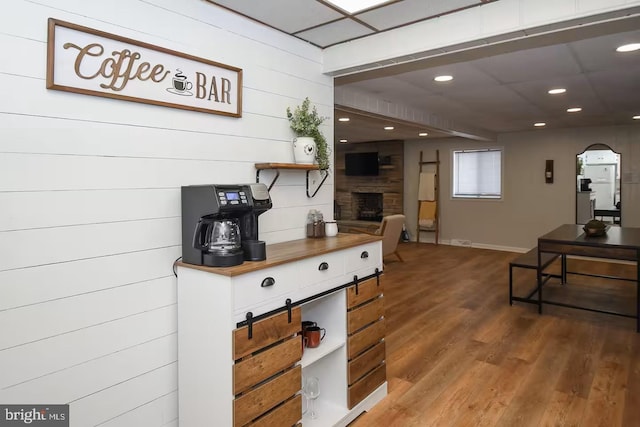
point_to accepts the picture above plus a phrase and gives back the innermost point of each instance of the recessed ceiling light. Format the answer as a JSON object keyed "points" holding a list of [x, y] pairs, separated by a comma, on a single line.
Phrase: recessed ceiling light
{"points": [[628, 47], [539, 124], [342, 141], [443, 78], [423, 134], [353, 6], [636, 117], [557, 91], [388, 128], [344, 119], [574, 110]]}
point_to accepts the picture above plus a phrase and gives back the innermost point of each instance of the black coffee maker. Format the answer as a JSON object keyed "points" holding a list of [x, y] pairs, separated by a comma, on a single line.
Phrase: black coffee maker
{"points": [[220, 224], [585, 184]]}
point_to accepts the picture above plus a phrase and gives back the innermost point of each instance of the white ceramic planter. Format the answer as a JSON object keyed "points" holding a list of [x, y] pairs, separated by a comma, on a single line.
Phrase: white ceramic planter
{"points": [[304, 150]]}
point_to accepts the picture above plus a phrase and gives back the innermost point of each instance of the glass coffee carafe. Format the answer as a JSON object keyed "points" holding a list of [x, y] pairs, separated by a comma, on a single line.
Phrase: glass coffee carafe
{"points": [[217, 236], [225, 236]]}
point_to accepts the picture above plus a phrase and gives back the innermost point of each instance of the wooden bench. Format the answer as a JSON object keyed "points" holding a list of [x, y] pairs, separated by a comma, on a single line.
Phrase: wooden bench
{"points": [[529, 260]]}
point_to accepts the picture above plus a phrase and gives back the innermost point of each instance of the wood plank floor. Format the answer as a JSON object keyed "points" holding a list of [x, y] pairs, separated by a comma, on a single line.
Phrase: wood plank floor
{"points": [[459, 355]]}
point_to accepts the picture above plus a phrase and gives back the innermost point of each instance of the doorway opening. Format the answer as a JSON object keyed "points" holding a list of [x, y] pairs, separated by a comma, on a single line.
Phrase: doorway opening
{"points": [[598, 186]]}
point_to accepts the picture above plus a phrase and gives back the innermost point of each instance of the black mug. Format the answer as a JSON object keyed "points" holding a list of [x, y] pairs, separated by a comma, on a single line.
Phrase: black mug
{"points": [[306, 324]]}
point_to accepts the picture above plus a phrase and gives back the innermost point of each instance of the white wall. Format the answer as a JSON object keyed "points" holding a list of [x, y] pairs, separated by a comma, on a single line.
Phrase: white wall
{"points": [[530, 207], [90, 200]]}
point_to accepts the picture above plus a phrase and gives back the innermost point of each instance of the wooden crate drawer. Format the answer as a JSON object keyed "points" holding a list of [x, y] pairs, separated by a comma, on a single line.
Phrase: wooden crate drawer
{"points": [[364, 387], [261, 366], [253, 404], [367, 290], [365, 314], [265, 332], [365, 338], [366, 362], [285, 415]]}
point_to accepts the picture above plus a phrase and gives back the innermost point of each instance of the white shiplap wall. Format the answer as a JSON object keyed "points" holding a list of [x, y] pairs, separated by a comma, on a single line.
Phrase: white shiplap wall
{"points": [[90, 200]]}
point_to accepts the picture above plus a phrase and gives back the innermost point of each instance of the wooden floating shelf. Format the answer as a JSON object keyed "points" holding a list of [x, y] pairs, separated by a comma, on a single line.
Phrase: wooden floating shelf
{"points": [[291, 166], [298, 166]]}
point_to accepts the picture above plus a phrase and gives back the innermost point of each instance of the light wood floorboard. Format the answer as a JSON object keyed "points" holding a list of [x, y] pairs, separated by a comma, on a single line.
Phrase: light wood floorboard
{"points": [[459, 355]]}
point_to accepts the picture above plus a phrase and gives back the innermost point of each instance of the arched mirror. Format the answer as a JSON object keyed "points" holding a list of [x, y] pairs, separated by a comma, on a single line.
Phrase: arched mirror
{"points": [[598, 185]]}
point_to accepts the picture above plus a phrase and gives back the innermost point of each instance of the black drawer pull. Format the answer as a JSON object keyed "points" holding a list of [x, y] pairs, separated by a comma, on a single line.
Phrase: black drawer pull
{"points": [[323, 266], [364, 255], [269, 281]]}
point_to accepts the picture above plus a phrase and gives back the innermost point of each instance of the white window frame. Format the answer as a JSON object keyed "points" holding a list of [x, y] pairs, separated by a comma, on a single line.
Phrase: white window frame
{"points": [[456, 195]]}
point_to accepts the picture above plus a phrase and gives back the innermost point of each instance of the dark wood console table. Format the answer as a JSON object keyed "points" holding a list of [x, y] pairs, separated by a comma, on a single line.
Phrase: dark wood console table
{"points": [[613, 213], [619, 243]]}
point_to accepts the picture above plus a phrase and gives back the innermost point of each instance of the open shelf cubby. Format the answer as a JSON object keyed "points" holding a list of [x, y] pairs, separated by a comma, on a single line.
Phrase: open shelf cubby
{"points": [[327, 362]]}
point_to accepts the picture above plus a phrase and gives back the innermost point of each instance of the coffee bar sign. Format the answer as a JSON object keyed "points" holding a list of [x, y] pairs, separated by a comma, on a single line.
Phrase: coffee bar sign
{"points": [[91, 62]]}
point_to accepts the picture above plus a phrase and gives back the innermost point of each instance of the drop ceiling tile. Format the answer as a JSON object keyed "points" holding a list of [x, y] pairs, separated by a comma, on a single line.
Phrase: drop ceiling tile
{"points": [[600, 53], [395, 14], [437, 7], [579, 94], [465, 75], [287, 15], [614, 87], [530, 64], [400, 13], [335, 32], [494, 100]]}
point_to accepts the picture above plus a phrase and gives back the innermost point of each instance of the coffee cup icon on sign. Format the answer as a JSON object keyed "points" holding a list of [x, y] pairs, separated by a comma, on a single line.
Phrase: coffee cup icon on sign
{"points": [[180, 85]]}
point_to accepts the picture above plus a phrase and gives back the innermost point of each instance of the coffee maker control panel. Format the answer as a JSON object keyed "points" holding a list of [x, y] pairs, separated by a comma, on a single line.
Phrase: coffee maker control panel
{"points": [[232, 198]]}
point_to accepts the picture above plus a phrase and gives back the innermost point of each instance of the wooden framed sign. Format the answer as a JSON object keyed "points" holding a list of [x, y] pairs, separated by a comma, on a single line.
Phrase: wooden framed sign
{"points": [[92, 62]]}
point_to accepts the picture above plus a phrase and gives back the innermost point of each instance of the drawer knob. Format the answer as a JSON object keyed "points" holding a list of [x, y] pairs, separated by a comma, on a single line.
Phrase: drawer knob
{"points": [[269, 281], [323, 266], [364, 255]]}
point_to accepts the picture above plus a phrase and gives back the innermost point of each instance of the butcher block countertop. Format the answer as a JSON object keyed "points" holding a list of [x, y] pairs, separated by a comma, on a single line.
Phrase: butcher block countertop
{"points": [[281, 253]]}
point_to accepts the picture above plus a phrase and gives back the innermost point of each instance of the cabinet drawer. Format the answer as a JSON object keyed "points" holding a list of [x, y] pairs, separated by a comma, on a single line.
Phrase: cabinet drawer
{"points": [[285, 415], [263, 365], [364, 315], [251, 405], [253, 289], [366, 362], [321, 268], [364, 259], [365, 386], [265, 332], [367, 290], [365, 338]]}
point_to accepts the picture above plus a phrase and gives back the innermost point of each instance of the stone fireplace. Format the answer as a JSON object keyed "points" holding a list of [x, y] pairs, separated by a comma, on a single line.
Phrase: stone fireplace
{"points": [[362, 201], [367, 206]]}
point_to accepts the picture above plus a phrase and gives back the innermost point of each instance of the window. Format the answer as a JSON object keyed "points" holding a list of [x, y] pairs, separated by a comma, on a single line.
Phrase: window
{"points": [[477, 173]]}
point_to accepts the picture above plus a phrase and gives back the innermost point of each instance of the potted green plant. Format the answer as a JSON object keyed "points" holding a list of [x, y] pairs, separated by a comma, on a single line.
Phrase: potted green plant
{"points": [[309, 144], [579, 166]]}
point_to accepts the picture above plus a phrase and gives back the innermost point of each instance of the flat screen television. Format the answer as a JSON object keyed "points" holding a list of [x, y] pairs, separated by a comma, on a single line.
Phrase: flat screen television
{"points": [[361, 164]]}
